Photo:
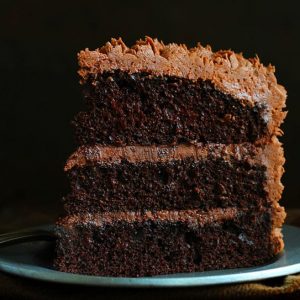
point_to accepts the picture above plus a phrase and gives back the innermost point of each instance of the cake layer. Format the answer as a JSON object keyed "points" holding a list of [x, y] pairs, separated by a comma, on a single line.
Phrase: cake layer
{"points": [[177, 177], [135, 244], [139, 108], [161, 94]]}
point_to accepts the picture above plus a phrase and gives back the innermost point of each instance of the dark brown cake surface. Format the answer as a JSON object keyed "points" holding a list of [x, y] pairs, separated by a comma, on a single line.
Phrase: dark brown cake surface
{"points": [[134, 245], [178, 164], [139, 108], [178, 177], [181, 184]]}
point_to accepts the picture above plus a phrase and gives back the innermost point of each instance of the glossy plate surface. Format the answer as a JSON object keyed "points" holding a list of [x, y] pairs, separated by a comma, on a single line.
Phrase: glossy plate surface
{"points": [[33, 260]]}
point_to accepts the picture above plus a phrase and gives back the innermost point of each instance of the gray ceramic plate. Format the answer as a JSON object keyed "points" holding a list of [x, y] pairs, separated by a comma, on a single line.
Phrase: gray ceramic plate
{"points": [[33, 260]]}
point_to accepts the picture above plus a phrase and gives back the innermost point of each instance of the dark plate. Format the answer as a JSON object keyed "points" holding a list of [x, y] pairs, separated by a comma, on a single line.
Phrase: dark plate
{"points": [[34, 259]]}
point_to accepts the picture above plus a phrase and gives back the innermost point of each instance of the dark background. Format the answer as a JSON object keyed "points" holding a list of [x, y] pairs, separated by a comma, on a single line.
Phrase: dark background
{"points": [[39, 90]]}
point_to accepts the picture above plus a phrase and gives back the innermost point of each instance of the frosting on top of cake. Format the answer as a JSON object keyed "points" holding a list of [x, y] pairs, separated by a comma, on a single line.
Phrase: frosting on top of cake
{"points": [[246, 79]]}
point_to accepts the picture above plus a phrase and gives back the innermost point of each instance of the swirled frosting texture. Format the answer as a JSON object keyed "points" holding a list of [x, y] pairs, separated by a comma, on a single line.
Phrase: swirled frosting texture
{"points": [[245, 79]]}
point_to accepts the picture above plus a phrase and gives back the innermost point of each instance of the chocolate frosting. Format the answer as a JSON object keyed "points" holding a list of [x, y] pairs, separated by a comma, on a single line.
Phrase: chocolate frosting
{"points": [[245, 79], [89, 155], [193, 218], [270, 155], [189, 216]]}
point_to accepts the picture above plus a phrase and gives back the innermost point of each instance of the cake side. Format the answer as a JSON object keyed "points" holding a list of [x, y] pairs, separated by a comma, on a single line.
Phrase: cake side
{"points": [[244, 79], [143, 109], [201, 176], [135, 244]]}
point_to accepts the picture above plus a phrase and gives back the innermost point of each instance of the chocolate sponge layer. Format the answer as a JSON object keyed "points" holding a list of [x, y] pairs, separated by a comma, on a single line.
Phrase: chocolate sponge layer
{"points": [[139, 108], [175, 184], [132, 247]]}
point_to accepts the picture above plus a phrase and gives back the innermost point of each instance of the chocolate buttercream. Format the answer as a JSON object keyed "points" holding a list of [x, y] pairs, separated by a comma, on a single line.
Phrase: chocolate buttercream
{"points": [[86, 155], [189, 216], [193, 218], [246, 79], [89, 155], [270, 155]]}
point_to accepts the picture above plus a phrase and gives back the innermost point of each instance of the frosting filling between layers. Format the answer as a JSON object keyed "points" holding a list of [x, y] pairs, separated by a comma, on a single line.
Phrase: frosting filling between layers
{"points": [[192, 218], [106, 154], [165, 242], [189, 216], [269, 155], [88, 155]]}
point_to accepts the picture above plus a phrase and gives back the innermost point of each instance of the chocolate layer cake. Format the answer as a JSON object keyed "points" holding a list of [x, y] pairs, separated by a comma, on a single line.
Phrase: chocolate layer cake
{"points": [[178, 164]]}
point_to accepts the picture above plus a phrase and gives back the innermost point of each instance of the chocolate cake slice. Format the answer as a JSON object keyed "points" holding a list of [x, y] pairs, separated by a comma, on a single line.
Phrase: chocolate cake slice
{"points": [[178, 164]]}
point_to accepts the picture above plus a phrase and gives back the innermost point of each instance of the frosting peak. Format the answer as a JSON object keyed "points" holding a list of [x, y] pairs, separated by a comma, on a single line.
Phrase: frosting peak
{"points": [[245, 79]]}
